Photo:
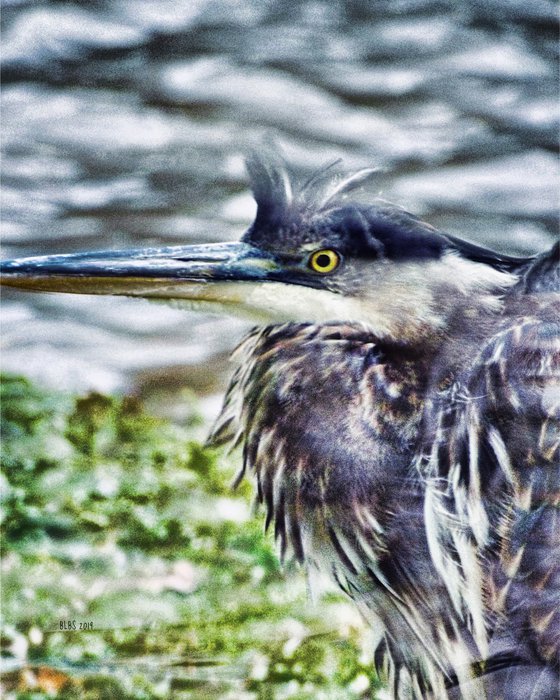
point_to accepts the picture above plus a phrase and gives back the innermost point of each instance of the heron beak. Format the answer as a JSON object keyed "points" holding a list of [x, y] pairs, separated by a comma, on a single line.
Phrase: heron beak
{"points": [[217, 274]]}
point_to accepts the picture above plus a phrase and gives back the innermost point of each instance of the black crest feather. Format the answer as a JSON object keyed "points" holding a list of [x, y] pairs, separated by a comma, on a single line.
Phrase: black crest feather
{"points": [[276, 194], [271, 186]]}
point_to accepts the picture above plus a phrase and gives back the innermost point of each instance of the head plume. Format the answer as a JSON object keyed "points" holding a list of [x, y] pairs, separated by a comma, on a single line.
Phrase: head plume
{"points": [[279, 199]]}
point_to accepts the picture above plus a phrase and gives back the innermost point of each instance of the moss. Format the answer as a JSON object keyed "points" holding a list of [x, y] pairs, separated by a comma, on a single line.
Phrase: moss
{"points": [[122, 522]]}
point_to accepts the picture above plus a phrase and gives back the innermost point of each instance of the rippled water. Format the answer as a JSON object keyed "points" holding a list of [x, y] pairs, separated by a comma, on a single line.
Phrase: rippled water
{"points": [[125, 123]]}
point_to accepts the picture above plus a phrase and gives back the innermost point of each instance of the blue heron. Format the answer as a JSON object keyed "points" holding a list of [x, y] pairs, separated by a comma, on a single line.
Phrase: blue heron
{"points": [[398, 404]]}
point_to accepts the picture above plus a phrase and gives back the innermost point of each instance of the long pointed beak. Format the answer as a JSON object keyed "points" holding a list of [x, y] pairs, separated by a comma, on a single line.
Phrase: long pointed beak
{"points": [[232, 278], [178, 272]]}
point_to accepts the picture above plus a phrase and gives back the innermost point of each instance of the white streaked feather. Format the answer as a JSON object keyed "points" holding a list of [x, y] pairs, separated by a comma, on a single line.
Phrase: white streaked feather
{"points": [[498, 446], [434, 515], [472, 588]]}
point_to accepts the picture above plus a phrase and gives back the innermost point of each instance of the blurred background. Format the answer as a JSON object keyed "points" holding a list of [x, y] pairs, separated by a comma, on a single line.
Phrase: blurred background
{"points": [[124, 123]]}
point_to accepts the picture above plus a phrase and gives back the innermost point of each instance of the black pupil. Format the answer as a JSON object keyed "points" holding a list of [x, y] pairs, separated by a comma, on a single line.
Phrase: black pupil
{"points": [[323, 260]]}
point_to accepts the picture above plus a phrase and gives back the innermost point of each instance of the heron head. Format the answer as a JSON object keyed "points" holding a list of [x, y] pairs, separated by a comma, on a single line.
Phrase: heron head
{"points": [[312, 254]]}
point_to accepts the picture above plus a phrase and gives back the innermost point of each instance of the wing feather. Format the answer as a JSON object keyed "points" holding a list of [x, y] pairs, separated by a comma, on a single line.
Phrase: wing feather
{"points": [[499, 428]]}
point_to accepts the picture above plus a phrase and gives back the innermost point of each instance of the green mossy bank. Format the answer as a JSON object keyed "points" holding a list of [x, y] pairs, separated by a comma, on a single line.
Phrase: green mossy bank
{"points": [[131, 570]]}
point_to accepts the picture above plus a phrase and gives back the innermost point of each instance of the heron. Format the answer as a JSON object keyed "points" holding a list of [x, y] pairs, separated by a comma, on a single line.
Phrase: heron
{"points": [[398, 406]]}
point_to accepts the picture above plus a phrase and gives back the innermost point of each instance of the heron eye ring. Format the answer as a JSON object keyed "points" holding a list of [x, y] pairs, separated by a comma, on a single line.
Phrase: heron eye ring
{"points": [[324, 261]]}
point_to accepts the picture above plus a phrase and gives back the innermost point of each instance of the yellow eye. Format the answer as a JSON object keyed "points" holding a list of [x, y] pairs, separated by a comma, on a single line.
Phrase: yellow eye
{"points": [[324, 260]]}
